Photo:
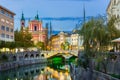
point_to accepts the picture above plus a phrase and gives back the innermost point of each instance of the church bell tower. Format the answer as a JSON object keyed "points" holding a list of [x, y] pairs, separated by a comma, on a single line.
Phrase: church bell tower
{"points": [[22, 22]]}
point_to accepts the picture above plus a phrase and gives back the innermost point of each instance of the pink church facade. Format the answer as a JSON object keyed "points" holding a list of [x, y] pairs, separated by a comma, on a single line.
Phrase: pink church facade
{"points": [[39, 34], [35, 27]]}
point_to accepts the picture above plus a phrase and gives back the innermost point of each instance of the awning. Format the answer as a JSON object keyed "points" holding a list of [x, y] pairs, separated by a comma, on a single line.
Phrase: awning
{"points": [[116, 40]]}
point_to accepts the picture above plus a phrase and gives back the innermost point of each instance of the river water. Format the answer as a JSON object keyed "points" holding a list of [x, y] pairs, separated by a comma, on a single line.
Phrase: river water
{"points": [[59, 71], [50, 71]]}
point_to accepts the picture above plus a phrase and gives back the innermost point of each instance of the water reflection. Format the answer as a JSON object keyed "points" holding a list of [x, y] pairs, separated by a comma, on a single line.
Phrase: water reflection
{"points": [[52, 74], [38, 72], [23, 73]]}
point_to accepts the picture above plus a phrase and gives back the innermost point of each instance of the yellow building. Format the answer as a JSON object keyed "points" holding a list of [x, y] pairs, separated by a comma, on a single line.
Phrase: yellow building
{"points": [[75, 41], [6, 24], [57, 40], [55, 45]]}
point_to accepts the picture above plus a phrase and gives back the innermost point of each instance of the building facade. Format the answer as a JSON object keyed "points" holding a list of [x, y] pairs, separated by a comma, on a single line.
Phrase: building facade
{"points": [[113, 9], [55, 45], [35, 27], [57, 40], [75, 41], [6, 24]]}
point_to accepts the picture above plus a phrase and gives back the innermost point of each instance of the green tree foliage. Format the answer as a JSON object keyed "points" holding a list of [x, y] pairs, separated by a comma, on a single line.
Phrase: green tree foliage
{"points": [[9, 45], [65, 45], [62, 46], [2, 44], [41, 45], [112, 30], [94, 35], [98, 35], [23, 39], [3, 58]]}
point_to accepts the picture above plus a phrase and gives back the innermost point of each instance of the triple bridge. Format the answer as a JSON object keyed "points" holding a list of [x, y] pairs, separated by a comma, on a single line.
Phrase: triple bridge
{"points": [[65, 53], [31, 55]]}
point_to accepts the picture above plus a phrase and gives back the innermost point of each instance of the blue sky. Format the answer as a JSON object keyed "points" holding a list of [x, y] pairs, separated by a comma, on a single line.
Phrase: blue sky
{"points": [[55, 9]]}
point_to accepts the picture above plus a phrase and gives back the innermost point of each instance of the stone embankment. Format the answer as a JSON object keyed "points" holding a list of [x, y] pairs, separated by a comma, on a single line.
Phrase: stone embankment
{"points": [[22, 59], [15, 64], [79, 73]]}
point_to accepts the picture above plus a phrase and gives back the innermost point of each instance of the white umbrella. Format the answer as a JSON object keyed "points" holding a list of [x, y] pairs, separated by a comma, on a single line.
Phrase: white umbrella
{"points": [[116, 40]]}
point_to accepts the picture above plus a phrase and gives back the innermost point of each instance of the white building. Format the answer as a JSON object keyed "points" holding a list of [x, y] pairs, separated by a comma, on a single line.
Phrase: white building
{"points": [[114, 10], [62, 36], [76, 41]]}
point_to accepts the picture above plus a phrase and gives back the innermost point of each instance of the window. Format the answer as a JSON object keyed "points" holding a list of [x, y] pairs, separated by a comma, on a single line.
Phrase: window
{"points": [[7, 29], [7, 36], [11, 16], [11, 30], [2, 11], [7, 14], [11, 37], [2, 27], [3, 35], [35, 28]]}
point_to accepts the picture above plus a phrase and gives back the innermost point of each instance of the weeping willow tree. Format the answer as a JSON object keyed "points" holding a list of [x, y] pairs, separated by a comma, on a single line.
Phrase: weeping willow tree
{"points": [[97, 35]]}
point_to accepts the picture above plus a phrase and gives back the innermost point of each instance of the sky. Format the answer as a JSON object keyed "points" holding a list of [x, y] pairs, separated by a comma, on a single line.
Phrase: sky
{"points": [[56, 9]]}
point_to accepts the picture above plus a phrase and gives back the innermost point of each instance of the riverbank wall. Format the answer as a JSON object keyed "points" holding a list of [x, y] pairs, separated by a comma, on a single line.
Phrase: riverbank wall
{"points": [[15, 64], [21, 59], [86, 74]]}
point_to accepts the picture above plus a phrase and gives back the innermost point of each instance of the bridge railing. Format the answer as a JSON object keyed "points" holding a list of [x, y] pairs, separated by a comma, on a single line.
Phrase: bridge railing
{"points": [[52, 53]]}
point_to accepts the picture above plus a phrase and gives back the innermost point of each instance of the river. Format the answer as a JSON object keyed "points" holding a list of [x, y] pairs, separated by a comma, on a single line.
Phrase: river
{"points": [[51, 71]]}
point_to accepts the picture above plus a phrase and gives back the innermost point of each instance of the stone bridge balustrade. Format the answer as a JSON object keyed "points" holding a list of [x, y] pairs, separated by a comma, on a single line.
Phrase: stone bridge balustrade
{"points": [[48, 54], [27, 55]]}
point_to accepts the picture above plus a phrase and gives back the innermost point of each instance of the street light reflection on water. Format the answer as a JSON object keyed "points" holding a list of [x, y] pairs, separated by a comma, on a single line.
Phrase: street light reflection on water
{"points": [[51, 74]]}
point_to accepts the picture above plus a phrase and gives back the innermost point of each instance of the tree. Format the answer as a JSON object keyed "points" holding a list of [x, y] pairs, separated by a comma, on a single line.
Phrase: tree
{"points": [[62, 46], [41, 45], [65, 45], [98, 35], [94, 36], [112, 30], [23, 39], [2, 44]]}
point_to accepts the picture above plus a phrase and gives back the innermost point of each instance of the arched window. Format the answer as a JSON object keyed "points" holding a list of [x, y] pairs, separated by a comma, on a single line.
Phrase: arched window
{"points": [[35, 28]]}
